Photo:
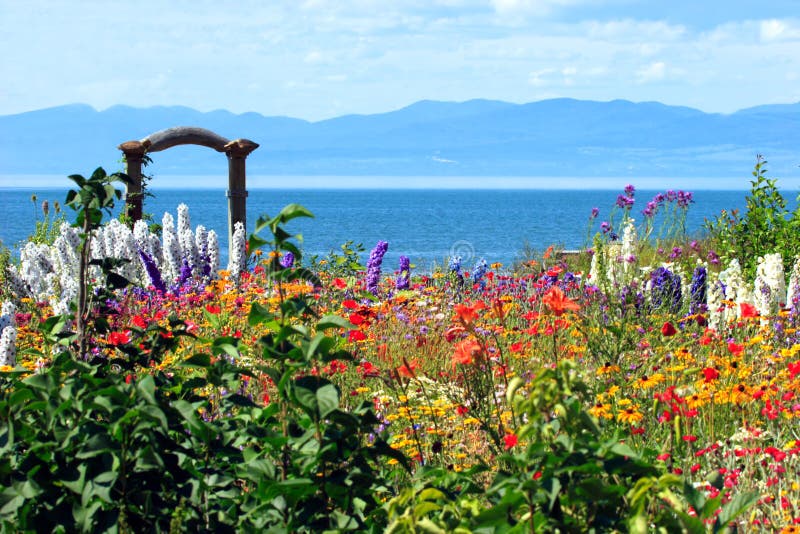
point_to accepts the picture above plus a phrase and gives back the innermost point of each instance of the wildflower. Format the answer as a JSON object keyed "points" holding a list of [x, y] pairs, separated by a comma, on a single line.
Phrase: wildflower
{"points": [[405, 275], [213, 309], [374, 266], [510, 440], [747, 310], [710, 374], [287, 261], [668, 330], [467, 313], [630, 415], [557, 302], [408, 369], [466, 352], [119, 338], [648, 382]]}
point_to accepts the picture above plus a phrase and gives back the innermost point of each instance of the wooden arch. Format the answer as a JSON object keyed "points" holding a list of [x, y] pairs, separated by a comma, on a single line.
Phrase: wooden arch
{"points": [[236, 151]]}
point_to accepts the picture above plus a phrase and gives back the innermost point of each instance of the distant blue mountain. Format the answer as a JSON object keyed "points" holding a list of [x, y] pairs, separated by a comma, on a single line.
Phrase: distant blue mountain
{"points": [[559, 137]]}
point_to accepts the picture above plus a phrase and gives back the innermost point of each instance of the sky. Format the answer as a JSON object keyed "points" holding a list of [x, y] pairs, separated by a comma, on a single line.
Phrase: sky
{"points": [[317, 59]]}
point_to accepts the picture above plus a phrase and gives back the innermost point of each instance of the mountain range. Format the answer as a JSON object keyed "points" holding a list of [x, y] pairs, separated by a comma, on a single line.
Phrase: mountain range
{"points": [[558, 137]]}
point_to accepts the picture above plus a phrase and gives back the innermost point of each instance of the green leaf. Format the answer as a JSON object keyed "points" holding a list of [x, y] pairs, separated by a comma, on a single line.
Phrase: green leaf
{"points": [[735, 507], [259, 314], [292, 211], [198, 359], [334, 321]]}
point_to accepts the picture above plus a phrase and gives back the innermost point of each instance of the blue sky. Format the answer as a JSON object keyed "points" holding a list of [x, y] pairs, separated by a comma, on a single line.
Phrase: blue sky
{"points": [[317, 59]]}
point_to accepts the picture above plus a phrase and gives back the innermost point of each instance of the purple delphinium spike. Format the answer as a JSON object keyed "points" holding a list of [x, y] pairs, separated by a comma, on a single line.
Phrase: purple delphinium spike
{"points": [[374, 266], [152, 271], [698, 291], [404, 278]]}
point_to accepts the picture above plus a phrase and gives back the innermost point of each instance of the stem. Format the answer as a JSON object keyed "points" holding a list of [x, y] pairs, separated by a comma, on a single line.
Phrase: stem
{"points": [[83, 286]]}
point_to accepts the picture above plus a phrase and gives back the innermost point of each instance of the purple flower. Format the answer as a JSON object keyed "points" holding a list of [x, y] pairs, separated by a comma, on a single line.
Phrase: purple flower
{"points": [[405, 274], [374, 266], [630, 190], [595, 213], [287, 261], [698, 291], [605, 227], [152, 271]]}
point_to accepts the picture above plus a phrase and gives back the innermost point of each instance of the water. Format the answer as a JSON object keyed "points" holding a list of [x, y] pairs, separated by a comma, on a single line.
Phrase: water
{"points": [[428, 226]]}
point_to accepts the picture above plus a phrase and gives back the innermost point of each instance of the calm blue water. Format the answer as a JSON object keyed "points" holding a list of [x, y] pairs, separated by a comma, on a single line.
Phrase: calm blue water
{"points": [[428, 226]]}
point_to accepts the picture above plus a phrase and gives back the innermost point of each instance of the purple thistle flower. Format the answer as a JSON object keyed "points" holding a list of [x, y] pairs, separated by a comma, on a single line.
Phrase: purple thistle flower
{"points": [[374, 266], [287, 261], [595, 213], [152, 271]]}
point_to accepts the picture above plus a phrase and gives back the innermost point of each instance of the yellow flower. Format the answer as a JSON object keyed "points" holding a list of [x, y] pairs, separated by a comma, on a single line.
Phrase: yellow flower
{"points": [[648, 382], [630, 415], [601, 410], [607, 368]]}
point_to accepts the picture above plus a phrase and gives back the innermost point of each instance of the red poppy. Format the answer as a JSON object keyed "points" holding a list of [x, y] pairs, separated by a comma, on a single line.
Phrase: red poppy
{"points": [[350, 304], [356, 318], [735, 349], [748, 310], [557, 302], [710, 374], [356, 335], [139, 321], [338, 282], [119, 338], [510, 440], [668, 330], [213, 309]]}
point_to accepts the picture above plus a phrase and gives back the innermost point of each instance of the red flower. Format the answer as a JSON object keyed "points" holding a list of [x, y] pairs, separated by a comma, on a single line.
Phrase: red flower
{"points": [[119, 338], [689, 438], [350, 304], [710, 374], [139, 321], [668, 330], [338, 282], [213, 309], [356, 335], [356, 318], [510, 440], [557, 302], [735, 349], [748, 310]]}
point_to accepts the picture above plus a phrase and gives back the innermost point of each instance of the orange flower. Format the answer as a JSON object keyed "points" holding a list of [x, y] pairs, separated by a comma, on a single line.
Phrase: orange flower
{"points": [[467, 313], [557, 301], [466, 351], [409, 369]]}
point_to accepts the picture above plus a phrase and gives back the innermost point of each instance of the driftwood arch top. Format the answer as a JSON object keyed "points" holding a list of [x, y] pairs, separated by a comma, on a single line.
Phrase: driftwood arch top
{"points": [[236, 150]]}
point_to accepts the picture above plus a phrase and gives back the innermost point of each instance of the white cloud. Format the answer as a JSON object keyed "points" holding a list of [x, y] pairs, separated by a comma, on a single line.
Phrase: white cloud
{"points": [[779, 30], [653, 72]]}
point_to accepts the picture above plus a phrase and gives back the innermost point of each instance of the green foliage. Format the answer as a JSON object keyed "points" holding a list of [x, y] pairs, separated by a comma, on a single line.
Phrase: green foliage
{"points": [[345, 264], [89, 446], [767, 226]]}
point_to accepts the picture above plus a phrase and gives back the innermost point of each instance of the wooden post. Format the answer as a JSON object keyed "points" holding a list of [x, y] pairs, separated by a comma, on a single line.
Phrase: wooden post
{"points": [[134, 153], [237, 151]]}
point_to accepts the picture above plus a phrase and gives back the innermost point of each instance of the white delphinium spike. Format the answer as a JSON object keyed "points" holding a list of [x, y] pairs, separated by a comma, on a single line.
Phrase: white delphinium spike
{"points": [[189, 249], [793, 289], [629, 245], [7, 317], [735, 287], [716, 307], [34, 266], [237, 260], [8, 346], [141, 235], [19, 288], [213, 253], [201, 246], [770, 270], [183, 219]]}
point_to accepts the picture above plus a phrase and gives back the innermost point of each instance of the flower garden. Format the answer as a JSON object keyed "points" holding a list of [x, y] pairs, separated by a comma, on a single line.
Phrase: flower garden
{"points": [[648, 383]]}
